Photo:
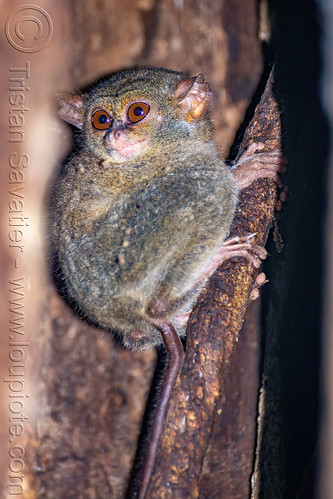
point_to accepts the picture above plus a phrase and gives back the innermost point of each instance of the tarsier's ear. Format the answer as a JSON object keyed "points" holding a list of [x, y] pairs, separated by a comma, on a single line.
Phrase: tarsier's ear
{"points": [[193, 95], [72, 108]]}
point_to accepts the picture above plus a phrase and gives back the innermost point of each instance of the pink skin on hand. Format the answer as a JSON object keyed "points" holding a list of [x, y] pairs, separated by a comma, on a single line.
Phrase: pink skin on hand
{"points": [[255, 163]]}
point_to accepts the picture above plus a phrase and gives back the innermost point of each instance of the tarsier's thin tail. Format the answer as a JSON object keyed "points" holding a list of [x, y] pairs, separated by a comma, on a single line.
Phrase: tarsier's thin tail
{"points": [[176, 356]]}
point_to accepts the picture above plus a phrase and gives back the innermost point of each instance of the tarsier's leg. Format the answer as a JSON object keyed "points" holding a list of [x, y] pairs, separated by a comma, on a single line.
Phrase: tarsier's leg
{"points": [[231, 248], [176, 355]]}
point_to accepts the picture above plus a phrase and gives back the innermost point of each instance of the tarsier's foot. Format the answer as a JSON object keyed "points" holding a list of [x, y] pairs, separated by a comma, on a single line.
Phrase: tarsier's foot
{"points": [[233, 247], [242, 246], [254, 164]]}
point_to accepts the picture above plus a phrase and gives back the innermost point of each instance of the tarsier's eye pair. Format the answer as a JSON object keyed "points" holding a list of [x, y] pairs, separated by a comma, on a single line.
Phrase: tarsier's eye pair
{"points": [[101, 120]]}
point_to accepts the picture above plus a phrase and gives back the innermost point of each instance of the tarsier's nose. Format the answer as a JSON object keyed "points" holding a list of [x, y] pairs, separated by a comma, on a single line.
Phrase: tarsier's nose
{"points": [[118, 126]]}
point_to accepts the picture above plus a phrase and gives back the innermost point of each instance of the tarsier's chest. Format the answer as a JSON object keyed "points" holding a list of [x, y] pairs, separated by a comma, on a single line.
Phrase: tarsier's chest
{"points": [[105, 235]]}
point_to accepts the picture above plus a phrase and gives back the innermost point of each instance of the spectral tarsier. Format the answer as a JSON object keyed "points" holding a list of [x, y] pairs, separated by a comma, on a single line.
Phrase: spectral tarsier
{"points": [[141, 213]]}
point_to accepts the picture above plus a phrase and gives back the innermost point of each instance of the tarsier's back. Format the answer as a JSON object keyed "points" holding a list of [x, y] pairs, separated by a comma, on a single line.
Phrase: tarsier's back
{"points": [[139, 213]]}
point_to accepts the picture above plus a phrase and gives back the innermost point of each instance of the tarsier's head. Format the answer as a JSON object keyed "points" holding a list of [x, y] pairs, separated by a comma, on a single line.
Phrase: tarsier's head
{"points": [[125, 114]]}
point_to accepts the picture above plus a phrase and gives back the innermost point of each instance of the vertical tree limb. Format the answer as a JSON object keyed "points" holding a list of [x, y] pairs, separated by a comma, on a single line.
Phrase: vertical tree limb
{"points": [[213, 329]]}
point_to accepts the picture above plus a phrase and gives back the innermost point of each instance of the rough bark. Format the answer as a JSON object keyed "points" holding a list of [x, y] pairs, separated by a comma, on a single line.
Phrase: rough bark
{"points": [[213, 330], [228, 463]]}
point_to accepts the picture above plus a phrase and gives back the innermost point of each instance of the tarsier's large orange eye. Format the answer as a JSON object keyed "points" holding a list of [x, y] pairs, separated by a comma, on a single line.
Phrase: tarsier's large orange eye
{"points": [[101, 120], [137, 111]]}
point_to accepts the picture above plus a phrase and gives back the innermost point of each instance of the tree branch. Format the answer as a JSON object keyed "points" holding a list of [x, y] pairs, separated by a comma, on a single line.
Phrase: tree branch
{"points": [[214, 327]]}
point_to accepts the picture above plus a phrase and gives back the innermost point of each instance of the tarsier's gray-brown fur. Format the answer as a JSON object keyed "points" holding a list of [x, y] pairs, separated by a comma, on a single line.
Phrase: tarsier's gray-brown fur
{"points": [[135, 229]]}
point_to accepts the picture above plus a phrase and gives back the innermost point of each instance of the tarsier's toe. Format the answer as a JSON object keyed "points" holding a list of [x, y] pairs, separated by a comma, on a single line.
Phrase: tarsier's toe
{"points": [[252, 257], [253, 148], [254, 295], [282, 199], [260, 281], [260, 251]]}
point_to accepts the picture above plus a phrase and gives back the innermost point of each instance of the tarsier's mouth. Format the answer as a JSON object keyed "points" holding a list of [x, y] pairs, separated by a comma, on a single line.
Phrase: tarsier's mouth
{"points": [[128, 150], [133, 144]]}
